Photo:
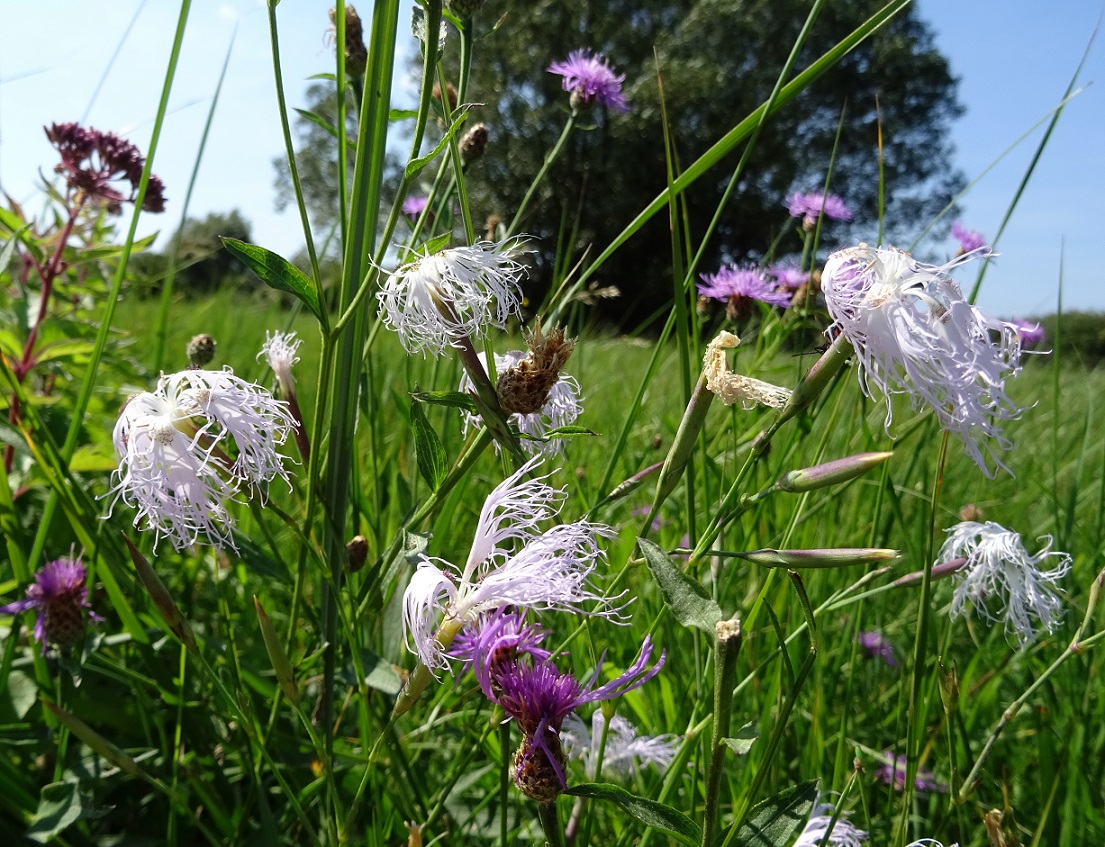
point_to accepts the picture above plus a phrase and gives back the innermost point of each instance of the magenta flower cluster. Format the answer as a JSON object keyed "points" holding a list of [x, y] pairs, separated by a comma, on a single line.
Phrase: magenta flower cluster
{"points": [[95, 163]]}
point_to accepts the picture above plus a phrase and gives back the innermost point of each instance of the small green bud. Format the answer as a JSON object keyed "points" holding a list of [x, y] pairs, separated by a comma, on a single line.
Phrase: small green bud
{"points": [[830, 473]]}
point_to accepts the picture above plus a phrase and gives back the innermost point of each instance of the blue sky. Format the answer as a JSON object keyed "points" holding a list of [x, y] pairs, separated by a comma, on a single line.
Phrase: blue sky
{"points": [[1014, 60]]}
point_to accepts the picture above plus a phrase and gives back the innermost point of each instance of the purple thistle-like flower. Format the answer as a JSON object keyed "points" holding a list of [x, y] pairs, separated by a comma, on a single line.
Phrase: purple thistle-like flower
{"points": [[591, 80], [812, 206], [738, 287], [412, 207], [1031, 333], [877, 646], [893, 771], [495, 640], [92, 161], [60, 597], [969, 240], [915, 333], [789, 277], [540, 696]]}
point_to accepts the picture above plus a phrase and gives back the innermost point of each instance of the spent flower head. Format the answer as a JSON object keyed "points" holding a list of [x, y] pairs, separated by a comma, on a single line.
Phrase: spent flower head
{"points": [[560, 408], [511, 563], [60, 597], [1002, 579], [591, 80], [191, 447], [914, 333], [436, 300], [280, 351], [95, 163], [810, 207]]}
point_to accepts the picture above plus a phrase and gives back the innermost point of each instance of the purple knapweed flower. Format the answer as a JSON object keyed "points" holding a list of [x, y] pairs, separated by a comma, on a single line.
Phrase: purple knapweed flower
{"points": [[817, 833], [60, 597], [789, 277], [1000, 571], [191, 447], [93, 162], [539, 697], [591, 80], [511, 563], [495, 639], [877, 646], [412, 207], [915, 333], [738, 287], [810, 207], [893, 771], [1031, 333], [969, 240]]}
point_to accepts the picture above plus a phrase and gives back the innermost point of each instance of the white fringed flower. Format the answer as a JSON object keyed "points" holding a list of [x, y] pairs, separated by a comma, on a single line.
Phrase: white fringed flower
{"points": [[191, 447], [625, 750], [438, 299], [560, 409], [843, 834], [914, 333], [999, 567], [510, 563], [279, 351]]}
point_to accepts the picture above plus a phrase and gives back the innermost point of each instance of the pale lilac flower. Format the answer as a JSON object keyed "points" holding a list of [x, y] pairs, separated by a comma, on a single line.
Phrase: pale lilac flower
{"points": [[279, 351], [969, 240], [193, 446], [560, 409], [436, 300], [928, 842], [539, 697], [1000, 572], [812, 206], [914, 333], [625, 750], [877, 646], [412, 206], [60, 597], [511, 563], [817, 833], [739, 286], [591, 80], [893, 770], [1031, 333], [789, 277]]}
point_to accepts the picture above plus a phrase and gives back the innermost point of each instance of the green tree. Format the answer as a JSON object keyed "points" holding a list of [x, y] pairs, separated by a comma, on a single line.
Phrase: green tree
{"points": [[718, 60], [202, 263]]}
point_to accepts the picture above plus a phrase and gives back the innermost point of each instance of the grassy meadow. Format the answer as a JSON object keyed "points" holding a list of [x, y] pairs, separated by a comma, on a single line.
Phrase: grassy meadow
{"points": [[234, 611]]}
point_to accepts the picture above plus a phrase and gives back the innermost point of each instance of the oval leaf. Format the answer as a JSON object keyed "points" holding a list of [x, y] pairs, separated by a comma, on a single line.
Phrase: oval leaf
{"points": [[777, 820], [648, 812], [432, 461], [277, 272], [686, 598]]}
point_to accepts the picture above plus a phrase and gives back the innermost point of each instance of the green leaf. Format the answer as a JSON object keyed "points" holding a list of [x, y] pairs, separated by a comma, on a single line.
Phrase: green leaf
{"points": [[648, 812], [433, 464], [741, 743], [415, 166], [59, 806], [454, 399], [777, 820], [17, 697], [379, 674], [277, 272], [686, 598], [9, 246]]}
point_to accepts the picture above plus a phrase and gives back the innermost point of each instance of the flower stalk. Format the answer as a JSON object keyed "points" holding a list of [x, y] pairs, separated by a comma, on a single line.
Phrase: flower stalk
{"points": [[727, 644]]}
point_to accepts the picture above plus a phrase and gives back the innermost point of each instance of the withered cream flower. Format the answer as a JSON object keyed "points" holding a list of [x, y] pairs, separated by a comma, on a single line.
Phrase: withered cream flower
{"points": [[732, 387]]}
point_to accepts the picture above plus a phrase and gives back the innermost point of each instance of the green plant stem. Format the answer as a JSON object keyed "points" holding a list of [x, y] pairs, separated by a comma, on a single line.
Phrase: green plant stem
{"points": [[1078, 645], [552, 156], [727, 643], [550, 824]]}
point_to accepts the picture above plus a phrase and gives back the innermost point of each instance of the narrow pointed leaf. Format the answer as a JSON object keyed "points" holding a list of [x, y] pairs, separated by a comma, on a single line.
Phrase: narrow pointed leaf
{"points": [[433, 464], [686, 598], [277, 272], [777, 820], [648, 812]]}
